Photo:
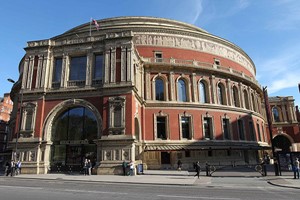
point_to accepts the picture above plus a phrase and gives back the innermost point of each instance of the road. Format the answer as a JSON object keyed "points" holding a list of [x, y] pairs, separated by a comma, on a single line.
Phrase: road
{"points": [[220, 189]]}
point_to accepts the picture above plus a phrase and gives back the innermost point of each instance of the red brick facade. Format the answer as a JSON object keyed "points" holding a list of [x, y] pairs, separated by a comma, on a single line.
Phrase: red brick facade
{"points": [[165, 93]]}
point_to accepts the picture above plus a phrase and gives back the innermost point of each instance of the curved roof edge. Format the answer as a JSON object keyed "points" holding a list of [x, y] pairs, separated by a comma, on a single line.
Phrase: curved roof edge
{"points": [[131, 20]]}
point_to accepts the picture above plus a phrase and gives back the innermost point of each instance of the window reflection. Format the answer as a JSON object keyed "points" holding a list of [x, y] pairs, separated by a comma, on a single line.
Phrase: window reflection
{"points": [[159, 89], [76, 123], [182, 91], [202, 92], [78, 68]]}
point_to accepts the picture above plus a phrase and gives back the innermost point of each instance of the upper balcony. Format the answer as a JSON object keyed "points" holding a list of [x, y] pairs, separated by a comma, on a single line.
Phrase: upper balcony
{"points": [[197, 64]]}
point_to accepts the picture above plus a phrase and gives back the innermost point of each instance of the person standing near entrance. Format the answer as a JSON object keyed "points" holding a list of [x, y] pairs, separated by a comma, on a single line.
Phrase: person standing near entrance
{"points": [[296, 169], [198, 169], [179, 165], [124, 166], [131, 167], [85, 167], [89, 167]]}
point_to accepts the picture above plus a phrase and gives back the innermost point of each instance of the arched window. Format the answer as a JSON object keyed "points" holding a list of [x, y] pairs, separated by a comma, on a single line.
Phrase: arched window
{"points": [[236, 99], [221, 94], [159, 89], [77, 123], [74, 132], [246, 99], [182, 96], [202, 92], [275, 112]]}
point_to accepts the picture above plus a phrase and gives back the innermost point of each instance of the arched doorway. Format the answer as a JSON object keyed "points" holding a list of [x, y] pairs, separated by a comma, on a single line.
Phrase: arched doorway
{"points": [[282, 142], [73, 133]]}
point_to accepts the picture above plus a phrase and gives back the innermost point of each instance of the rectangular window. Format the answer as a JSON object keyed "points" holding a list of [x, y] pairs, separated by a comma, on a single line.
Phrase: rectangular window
{"points": [[185, 127], [78, 68], [251, 131], [161, 128], [226, 129], [187, 154], [117, 116], [158, 57], [241, 129], [98, 68], [28, 122], [207, 125], [258, 132], [263, 133], [56, 78]]}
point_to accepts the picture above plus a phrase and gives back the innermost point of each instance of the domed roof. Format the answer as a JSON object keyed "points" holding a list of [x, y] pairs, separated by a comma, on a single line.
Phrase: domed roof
{"points": [[139, 23]]}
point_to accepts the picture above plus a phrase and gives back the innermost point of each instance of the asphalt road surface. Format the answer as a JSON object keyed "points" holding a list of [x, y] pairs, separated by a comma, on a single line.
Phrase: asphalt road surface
{"points": [[221, 189]]}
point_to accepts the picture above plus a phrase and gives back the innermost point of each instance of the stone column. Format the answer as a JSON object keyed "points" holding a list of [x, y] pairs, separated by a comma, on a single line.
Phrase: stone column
{"points": [[147, 85], [30, 72], [113, 65], [194, 88], [45, 72], [107, 66], [39, 71], [65, 71], [213, 89], [123, 64], [25, 72], [172, 85], [89, 69], [228, 92], [242, 100], [129, 66]]}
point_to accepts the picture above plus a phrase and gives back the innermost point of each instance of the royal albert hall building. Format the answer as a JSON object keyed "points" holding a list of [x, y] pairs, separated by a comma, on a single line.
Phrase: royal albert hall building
{"points": [[145, 89]]}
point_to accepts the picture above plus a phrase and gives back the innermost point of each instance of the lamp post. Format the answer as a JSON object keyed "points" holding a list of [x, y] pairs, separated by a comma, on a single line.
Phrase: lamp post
{"points": [[269, 119], [19, 121]]}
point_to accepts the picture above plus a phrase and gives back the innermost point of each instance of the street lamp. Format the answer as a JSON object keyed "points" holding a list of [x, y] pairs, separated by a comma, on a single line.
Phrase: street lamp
{"points": [[19, 121], [269, 119]]}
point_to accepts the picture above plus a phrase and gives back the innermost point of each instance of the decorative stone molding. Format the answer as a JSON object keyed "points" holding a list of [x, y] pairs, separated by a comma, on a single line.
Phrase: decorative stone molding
{"points": [[198, 44]]}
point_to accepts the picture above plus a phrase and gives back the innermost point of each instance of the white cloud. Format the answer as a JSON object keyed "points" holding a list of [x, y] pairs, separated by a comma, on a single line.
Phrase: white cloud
{"points": [[199, 9], [286, 16], [281, 72]]}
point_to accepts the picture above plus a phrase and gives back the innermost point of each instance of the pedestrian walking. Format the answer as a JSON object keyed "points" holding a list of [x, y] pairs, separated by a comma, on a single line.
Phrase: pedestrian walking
{"points": [[198, 169], [89, 167], [207, 169], [131, 167], [124, 166], [296, 169], [12, 167], [18, 167], [179, 165], [85, 167], [7, 168], [263, 167]]}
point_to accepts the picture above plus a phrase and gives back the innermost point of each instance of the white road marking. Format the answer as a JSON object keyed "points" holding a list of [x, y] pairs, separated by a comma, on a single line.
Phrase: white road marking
{"points": [[194, 197], [96, 192]]}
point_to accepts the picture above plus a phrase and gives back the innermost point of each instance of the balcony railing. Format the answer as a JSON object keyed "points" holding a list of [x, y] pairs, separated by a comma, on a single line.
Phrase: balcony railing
{"points": [[76, 83], [195, 63]]}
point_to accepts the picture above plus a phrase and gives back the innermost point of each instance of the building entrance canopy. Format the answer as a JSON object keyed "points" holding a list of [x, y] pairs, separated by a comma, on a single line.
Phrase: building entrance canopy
{"points": [[201, 146]]}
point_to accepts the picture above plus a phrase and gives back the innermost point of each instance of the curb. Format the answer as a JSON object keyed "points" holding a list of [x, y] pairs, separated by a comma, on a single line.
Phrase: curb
{"points": [[284, 186], [104, 181]]}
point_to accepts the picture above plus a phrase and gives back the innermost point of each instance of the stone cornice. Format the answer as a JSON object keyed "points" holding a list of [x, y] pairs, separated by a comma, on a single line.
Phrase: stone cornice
{"points": [[195, 106]]}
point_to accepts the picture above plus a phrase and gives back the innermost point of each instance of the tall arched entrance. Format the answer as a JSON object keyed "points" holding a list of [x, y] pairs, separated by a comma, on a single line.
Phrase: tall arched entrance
{"points": [[282, 142], [73, 133]]}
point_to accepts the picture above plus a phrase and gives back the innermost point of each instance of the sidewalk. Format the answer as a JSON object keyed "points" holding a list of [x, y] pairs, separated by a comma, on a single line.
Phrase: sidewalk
{"points": [[169, 177]]}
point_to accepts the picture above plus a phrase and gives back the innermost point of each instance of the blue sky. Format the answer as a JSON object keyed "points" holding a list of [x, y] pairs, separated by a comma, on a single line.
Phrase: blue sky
{"points": [[267, 30]]}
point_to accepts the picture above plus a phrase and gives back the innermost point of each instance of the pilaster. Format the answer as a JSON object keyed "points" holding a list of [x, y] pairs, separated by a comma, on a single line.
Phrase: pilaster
{"points": [[172, 86], [194, 88], [213, 89]]}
